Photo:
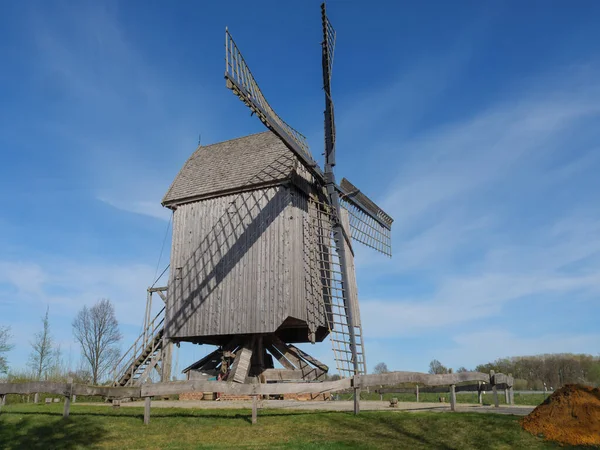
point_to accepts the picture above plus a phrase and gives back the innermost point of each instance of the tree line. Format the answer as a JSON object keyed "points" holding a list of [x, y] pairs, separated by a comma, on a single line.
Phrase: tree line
{"points": [[550, 371], [95, 329]]}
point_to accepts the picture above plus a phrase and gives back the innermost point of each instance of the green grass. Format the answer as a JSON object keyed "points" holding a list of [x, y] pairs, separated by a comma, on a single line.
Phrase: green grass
{"points": [[42, 427]]}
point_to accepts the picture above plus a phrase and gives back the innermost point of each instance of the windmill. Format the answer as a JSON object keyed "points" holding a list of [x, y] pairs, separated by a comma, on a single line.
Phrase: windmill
{"points": [[262, 254]]}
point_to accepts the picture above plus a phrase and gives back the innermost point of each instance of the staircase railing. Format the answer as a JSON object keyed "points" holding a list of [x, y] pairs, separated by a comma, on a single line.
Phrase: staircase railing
{"points": [[127, 360]]}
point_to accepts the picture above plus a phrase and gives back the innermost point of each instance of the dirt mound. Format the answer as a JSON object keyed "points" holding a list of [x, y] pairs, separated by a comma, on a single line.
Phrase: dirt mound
{"points": [[571, 416]]}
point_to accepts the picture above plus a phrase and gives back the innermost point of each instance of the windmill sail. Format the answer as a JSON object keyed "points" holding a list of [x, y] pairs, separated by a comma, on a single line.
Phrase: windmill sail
{"points": [[369, 224], [345, 329], [241, 81], [338, 297]]}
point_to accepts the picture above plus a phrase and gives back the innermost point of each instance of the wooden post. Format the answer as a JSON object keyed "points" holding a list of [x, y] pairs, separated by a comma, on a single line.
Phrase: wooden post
{"points": [[417, 392], [167, 360], [356, 397], [147, 401], [74, 398], [68, 398], [494, 388], [36, 397], [511, 392], [67, 407], [479, 394], [254, 409], [452, 397], [506, 396], [2, 400]]}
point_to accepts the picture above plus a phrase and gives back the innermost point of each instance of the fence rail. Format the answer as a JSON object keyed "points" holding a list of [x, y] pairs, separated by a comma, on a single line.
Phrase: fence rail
{"points": [[149, 390]]}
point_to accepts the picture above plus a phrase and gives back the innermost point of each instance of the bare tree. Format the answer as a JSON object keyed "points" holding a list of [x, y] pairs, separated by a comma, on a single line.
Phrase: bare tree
{"points": [[462, 369], [437, 368], [380, 368], [5, 347], [42, 350], [97, 331]]}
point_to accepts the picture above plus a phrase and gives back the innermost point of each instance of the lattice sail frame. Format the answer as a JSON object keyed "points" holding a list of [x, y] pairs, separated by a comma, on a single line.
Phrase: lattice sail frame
{"points": [[373, 230], [241, 81], [336, 298]]}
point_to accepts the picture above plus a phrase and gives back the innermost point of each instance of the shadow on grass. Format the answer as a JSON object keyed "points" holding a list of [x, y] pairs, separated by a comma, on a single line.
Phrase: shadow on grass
{"points": [[390, 430], [158, 415], [28, 433]]}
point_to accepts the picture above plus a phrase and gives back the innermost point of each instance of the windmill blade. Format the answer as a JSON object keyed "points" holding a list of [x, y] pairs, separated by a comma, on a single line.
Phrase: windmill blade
{"points": [[340, 300], [369, 224], [241, 81], [328, 38]]}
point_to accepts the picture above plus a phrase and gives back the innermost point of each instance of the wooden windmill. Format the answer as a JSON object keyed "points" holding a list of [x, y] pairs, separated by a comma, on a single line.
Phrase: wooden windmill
{"points": [[261, 253]]}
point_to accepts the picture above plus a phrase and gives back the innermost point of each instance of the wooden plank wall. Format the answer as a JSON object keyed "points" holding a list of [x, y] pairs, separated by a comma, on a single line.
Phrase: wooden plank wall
{"points": [[237, 264]]}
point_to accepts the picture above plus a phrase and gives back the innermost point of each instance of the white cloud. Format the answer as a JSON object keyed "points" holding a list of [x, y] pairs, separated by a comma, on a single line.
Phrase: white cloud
{"points": [[128, 124], [146, 208], [27, 278], [68, 285], [456, 235]]}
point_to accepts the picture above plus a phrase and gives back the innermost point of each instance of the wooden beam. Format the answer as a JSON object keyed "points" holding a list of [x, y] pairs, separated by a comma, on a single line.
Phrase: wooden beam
{"points": [[113, 392], [210, 361], [67, 407], [290, 356], [50, 387], [254, 409], [315, 362], [393, 378], [297, 358], [68, 398], [241, 364], [176, 387], [147, 402], [281, 374], [279, 357], [166, 359], [452, 397], [500, 378]]}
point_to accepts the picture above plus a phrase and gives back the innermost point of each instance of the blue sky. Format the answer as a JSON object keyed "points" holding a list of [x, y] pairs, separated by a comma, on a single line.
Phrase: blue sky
{"points": [[476, 125]]}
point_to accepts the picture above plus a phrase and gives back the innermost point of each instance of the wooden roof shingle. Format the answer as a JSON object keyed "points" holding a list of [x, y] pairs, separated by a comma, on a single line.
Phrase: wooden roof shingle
{"points": [[226, 167]]}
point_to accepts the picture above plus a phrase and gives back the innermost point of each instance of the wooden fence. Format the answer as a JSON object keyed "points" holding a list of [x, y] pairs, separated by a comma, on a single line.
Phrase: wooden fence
{"points": [[356, 383]]}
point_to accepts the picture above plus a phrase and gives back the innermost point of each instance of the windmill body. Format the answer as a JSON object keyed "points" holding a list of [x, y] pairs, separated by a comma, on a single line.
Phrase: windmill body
{"points": [[262, 255], [248, 235]]}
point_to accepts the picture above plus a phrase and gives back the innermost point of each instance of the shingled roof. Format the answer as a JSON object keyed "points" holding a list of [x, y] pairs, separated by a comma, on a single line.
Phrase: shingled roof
{"points": [[230, 166]]}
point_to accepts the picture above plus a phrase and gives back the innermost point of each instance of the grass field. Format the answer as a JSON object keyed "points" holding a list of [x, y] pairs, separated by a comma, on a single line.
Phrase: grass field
{"points": [[42, 427]]}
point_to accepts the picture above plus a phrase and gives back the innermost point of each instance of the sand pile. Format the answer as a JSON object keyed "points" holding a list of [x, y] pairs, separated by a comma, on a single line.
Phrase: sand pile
{"points": [[571, 416]]}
